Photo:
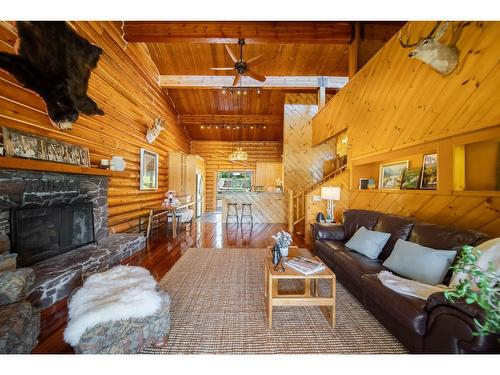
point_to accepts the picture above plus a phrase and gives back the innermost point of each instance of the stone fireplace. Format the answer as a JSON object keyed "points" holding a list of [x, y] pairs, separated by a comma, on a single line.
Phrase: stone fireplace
{"points": [[39, 233], [57, 224]]}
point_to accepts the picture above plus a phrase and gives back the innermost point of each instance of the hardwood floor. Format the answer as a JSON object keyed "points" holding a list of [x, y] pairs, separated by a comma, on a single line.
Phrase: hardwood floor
{"points": [[160, 255]]}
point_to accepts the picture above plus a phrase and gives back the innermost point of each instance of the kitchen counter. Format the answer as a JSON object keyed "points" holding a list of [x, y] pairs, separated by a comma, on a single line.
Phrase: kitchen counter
{"points": [[267, 207]]}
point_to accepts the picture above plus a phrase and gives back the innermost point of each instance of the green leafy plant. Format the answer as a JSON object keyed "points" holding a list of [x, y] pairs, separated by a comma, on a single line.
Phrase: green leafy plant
{"points": [[478, 286]]}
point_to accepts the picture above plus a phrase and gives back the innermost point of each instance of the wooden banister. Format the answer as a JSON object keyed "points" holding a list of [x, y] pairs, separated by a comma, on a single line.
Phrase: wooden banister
{"points": [[297, 202]]}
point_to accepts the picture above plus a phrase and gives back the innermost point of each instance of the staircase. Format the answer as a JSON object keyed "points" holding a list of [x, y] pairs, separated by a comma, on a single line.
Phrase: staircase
{"points": [[297, 201]]}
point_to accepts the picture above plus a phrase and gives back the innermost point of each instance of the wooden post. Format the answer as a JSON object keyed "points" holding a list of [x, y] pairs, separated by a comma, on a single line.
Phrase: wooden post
{"points": [[353, 52], [290, 211], [321, 96]]}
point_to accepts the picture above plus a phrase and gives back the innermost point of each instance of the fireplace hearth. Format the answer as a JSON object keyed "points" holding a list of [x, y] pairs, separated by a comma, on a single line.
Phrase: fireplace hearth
{"points": [[40, 233], [50, 220]]}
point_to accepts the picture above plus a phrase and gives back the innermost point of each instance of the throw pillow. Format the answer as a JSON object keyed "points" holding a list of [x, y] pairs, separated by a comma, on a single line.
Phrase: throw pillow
{"points": [[368, 242], [490, 253], [420, 263]]}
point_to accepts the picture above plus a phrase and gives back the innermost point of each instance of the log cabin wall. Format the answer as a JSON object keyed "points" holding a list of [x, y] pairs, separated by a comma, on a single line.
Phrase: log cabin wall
{"points": [[397, 108], [215, 154], [125, 86], [302, 163]]}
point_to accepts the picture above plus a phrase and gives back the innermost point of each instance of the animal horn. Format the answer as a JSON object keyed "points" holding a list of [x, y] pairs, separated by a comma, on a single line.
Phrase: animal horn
{"points": [[406, 44], [433, 31]]}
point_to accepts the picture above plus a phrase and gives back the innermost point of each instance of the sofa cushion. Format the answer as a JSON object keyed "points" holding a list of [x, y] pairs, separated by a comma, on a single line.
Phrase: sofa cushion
{"points": [[399, 227], [328, 231], [443, 236], [408, 311], [355, 219], [368, 242], [355, 264], [420, 263]]}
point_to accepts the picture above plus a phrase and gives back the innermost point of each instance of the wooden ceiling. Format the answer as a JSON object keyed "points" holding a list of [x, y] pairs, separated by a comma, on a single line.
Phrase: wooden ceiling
{"points": [[291, 49]]}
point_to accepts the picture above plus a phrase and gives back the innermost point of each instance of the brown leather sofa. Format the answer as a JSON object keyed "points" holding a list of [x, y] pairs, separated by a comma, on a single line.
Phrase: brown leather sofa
{"points": [[432, 326]]}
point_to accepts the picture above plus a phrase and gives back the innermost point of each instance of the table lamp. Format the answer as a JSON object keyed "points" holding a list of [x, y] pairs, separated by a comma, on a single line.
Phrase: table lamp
{"points": [[330, 194]]}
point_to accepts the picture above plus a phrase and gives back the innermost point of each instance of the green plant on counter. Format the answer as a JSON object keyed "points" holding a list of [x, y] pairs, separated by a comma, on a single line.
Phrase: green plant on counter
{"points": [[478, 286]]}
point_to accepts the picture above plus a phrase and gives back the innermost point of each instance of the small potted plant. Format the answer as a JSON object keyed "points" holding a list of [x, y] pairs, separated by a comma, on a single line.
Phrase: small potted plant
{"points": [[283, 240], [478, 286]]}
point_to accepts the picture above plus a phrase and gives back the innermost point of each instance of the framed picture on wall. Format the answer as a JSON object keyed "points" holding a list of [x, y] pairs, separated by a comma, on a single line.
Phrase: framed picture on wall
{"points": [[149, 170], [363, 183], [25, 145], [429, 172], [391, 175], [411, 178]]}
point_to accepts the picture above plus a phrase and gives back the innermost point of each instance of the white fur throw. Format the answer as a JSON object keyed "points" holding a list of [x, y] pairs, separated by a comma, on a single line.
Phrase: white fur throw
{"points": [[409, 287], [122, 292]]}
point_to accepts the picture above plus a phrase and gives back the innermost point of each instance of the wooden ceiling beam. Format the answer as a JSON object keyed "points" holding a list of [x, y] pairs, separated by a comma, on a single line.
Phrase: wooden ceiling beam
{"points": [[188, 119], [254, 32], [272, 82]]}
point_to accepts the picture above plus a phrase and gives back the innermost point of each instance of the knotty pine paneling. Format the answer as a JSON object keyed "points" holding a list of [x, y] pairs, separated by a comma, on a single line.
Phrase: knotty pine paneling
{"points": [[463, 210], [395, 101], [396, 106], [313, 207], [124, 86], [215, 154], [302, 163]]}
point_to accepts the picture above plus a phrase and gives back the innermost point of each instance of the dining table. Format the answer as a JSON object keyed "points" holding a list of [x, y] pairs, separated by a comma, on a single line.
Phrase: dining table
{"points": [[172, 208]]}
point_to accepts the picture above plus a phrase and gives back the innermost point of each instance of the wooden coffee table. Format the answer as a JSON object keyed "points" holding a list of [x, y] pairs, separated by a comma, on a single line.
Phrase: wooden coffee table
{"points": [[310, 297]]}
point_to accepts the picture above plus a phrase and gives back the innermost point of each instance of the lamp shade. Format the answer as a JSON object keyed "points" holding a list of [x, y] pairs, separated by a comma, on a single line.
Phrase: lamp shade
{"points": [[331, 193]]}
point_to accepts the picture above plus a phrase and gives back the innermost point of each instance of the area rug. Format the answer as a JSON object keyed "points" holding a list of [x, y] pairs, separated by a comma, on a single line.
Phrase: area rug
{"points": [[218, 307]]}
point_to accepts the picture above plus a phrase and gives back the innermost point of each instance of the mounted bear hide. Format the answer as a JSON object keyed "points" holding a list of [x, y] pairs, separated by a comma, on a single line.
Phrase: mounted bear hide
{"points": [[55, 62]]}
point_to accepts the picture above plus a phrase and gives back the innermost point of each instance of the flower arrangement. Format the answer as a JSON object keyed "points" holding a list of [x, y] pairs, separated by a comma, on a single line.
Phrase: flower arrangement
{"points": [[479, 286], [283, 239]]}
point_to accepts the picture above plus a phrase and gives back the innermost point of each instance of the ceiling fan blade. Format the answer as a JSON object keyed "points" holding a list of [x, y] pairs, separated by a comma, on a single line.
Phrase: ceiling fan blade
{"points": [[237, 80], [232, 68], [256, 60], [256, 76], [231, 53]]}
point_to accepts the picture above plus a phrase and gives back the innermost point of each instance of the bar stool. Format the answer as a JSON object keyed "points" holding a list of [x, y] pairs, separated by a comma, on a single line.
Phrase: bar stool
{"points": [[229, 214], [249, 209]]}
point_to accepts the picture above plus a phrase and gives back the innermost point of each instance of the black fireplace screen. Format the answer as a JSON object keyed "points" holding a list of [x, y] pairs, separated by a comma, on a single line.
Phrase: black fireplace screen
{"points": [[43, 232]]}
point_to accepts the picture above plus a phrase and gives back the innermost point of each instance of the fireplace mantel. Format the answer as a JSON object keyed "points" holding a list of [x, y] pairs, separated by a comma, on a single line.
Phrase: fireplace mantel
{"points": [[47, 166]]}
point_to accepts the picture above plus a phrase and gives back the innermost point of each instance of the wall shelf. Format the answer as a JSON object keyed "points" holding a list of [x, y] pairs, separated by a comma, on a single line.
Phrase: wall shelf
{"points": [[48, 166]]}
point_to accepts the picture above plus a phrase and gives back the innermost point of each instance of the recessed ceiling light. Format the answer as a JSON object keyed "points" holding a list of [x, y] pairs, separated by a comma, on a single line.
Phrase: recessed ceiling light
{"points": [[202, 127]]}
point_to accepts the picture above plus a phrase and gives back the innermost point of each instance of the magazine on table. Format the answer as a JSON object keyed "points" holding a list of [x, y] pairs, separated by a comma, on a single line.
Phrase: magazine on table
{"points": [[305, 265]]}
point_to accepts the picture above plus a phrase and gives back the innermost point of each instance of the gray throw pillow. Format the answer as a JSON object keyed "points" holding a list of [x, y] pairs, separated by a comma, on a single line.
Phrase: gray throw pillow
{"points": [[420, 263], [368, 242]]}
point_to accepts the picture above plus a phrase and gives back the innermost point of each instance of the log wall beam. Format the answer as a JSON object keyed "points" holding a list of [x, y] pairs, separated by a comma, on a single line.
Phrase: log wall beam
{"points": [[272, 82]]}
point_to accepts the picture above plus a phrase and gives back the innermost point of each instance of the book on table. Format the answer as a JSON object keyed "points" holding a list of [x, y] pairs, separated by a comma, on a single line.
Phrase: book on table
{"points": [[305, 265]]}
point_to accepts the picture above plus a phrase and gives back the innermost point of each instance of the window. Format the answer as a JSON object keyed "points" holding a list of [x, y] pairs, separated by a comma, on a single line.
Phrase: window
{"points": [[234, 181]]}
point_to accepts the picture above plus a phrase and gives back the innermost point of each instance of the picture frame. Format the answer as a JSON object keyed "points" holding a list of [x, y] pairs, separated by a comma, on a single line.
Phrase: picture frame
{"points": [[429, 177], [149, 170], [391, 175], [411, 179], [363, 183], [30, 146]]}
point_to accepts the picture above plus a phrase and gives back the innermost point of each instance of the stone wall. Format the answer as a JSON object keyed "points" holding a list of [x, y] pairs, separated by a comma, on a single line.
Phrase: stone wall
{"points": [[39, 189]]}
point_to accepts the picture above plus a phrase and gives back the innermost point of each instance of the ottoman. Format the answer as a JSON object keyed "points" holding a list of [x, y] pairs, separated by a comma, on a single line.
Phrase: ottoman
{"points": [[118, 311], [127, 335]]}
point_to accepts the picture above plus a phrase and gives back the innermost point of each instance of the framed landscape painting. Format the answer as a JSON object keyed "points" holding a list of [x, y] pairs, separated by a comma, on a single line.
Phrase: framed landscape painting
{"points": [[411, 178], [149, 170], [391, 175], [429, 172]]}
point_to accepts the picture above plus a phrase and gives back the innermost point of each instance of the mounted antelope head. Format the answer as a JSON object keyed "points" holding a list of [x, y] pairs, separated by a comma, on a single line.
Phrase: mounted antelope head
{"points": [[154, 131], [443, 58]]}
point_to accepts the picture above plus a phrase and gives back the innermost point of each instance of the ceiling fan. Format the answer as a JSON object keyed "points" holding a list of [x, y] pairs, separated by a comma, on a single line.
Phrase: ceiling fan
{"points": [[243, 67]]}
